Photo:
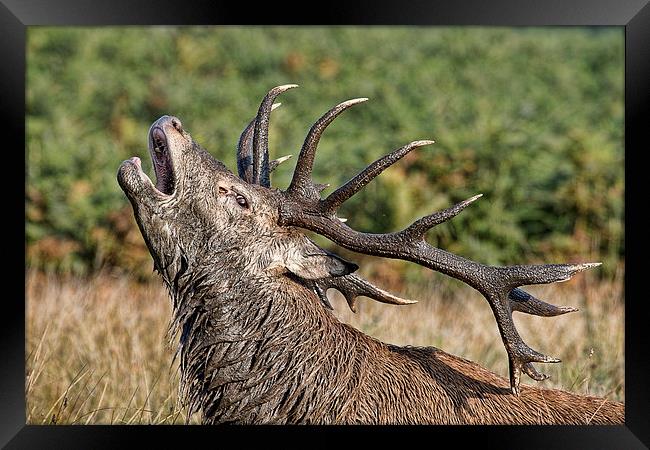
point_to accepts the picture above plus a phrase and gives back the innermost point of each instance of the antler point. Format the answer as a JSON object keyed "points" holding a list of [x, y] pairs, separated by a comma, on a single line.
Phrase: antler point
{"points": [[584, 266], [353, 102], [474, 198]]}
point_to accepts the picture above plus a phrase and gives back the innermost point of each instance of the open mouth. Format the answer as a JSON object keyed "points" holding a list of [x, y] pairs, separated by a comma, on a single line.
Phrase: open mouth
{"points": [[162, 161]]}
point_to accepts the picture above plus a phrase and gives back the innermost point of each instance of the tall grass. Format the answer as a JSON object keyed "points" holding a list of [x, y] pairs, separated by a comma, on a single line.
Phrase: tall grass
{"points": [[96, 351]]}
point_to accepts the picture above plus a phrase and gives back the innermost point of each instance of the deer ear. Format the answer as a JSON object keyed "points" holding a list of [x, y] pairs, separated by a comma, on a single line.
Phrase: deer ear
{"points": [[307, 260]]}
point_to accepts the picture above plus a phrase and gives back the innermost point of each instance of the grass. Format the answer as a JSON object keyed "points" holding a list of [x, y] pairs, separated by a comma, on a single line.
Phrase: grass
{"points": [[96, 351]]}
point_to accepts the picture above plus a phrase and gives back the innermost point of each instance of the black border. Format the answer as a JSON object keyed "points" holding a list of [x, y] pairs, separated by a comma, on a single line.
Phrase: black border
{"points": [[634, 15]]}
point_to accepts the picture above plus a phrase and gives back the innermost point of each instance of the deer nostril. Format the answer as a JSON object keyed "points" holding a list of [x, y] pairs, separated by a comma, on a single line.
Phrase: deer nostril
{"points": [[177, 124]]}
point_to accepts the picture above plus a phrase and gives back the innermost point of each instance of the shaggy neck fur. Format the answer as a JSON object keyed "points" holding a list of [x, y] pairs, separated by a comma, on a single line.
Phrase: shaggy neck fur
{"points": [[266, 351]]}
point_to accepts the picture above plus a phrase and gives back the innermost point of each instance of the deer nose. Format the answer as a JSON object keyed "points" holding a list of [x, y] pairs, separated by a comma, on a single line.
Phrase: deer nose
{"points": [[170, 120], [177, 124]]}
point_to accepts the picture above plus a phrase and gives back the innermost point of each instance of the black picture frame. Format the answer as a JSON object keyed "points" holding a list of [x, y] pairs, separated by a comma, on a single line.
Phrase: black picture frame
{"points": [[632, 15]]}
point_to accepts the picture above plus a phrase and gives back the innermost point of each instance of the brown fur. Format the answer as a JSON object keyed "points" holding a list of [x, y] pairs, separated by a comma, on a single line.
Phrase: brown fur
{"points": [[301, 365], [256, 344]]}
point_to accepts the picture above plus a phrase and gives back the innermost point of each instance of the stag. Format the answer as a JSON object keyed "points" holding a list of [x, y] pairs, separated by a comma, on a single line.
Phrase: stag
{"points": [[258, 342]]}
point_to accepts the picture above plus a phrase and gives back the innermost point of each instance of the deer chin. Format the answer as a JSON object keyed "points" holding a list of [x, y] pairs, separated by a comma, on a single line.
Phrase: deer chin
{"points": [[134, 182]]}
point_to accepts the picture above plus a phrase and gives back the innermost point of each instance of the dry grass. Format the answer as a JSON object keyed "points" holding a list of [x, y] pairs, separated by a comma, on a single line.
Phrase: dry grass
{"points": [[96, 352], [96, 349]]}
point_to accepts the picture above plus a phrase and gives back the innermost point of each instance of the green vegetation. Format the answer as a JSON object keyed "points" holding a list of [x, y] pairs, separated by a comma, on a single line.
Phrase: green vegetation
{"points": [[531, 118]]}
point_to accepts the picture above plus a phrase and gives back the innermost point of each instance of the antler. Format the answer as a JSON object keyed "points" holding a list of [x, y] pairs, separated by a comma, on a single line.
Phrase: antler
{"points": [[303, 207], [245, 161], [255, 135], [261, 170], [353, 286]]}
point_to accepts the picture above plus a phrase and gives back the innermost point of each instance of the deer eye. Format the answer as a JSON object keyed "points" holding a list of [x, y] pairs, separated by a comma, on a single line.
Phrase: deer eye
{"points": [[241, 200]]}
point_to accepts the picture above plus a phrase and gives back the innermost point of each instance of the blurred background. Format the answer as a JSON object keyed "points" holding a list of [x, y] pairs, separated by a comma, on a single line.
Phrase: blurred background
{"points": [[530, 117]]}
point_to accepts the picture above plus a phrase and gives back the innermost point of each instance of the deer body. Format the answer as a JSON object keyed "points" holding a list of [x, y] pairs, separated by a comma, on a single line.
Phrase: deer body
{"points": [[257, 342], [270, 353]]}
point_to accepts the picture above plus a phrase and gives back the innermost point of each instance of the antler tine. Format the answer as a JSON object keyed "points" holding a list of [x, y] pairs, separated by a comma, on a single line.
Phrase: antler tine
{"points": [[276, 162], [301, 183], [421, 226], [245, 150], [353, 286], [336, 198], [261, 136], [496, 283], [320, 289], [522, 301]]}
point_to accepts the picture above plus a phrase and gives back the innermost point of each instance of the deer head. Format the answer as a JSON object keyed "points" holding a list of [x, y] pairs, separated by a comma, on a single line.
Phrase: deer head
{"points": [[198, 214]]}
